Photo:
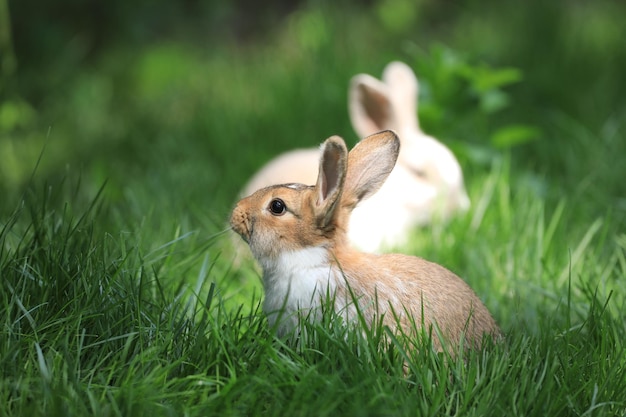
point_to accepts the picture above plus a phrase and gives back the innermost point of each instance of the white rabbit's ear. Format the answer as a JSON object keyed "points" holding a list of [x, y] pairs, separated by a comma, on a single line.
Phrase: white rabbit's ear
{"points": [[369, 105], [369, 164], [332, 173], [403, 89]]}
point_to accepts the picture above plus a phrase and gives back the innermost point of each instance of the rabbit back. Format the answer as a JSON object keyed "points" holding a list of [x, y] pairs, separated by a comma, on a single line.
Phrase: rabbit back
{"points": [[412, 291]]}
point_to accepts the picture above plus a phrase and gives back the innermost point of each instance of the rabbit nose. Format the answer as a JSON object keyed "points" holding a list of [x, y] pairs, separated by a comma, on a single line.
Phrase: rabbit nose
{"points": [[240, 222]]}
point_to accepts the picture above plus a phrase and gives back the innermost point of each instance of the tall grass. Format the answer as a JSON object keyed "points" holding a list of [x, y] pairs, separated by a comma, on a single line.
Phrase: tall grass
{"points": [[92, 326]]}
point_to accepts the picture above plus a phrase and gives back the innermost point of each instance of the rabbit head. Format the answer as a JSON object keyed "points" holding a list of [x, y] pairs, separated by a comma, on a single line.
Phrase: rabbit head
{"points": [[298, 233], [427, 180], [288, 217]]}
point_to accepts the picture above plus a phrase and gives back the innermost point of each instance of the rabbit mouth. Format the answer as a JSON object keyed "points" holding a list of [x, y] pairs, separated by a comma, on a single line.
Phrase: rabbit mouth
{"points": [[244, 236], [244, 231], [241, 224]]}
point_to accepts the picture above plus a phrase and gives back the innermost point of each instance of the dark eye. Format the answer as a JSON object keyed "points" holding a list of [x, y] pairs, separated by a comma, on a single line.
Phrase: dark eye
{"points": [[277, 207], [420, 173]]}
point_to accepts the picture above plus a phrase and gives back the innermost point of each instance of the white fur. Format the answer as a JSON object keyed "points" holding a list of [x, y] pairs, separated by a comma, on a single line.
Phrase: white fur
{"points": [[402, 202], [296, 281], [296, 166]]}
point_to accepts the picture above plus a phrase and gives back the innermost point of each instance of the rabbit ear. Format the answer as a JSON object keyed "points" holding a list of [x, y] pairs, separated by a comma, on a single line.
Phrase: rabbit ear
{"points": [[369, 105], [332, 173], [403, 89], [369, 164]]}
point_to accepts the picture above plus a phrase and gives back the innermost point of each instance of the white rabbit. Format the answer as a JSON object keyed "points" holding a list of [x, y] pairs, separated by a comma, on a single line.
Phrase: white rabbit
{"points": [[298, 234], [426, 182]]}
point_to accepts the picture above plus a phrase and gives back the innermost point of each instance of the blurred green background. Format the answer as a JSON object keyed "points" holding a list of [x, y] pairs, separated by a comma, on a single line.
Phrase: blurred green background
{"points": [[176, 104]]}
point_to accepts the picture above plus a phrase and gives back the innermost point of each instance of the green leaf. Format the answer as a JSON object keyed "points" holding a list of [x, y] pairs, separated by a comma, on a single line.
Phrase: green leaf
{"points": [[514, 135], [484, 78], [493, 101], [14, 114]]}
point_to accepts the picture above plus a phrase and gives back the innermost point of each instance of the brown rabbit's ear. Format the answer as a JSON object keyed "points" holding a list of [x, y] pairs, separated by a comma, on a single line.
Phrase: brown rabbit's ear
{"points": [[332, 173], [369, 164], [369, 105]]}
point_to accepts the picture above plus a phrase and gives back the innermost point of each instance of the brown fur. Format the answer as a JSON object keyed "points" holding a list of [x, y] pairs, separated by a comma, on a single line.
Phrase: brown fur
{"points": [[407, 284]]}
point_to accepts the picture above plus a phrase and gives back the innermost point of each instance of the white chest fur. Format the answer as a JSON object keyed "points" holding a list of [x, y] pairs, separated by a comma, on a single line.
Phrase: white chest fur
{"points": [[296, 281]]}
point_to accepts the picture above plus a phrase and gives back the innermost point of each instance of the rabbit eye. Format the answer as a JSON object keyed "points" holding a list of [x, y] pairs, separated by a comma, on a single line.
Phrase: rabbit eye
{"points": [[277, 207], [420, 173]]}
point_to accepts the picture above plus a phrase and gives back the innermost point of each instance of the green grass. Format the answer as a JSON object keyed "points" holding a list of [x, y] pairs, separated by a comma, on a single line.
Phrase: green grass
{"points": [[118, 291], [91, 325]]}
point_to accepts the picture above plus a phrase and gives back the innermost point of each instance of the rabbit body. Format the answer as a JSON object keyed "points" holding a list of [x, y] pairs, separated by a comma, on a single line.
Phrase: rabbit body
{"points": [[298, 234], [426, 182]]}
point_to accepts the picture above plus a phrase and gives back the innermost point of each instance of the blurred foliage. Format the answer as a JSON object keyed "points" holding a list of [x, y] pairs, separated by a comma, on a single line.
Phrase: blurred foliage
{"points": [[7, 57], [460, 98], [193, 96]]}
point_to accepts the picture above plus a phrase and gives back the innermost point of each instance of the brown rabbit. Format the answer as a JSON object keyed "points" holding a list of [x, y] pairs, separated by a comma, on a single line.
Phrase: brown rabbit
{"points": [[298, 234]]}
